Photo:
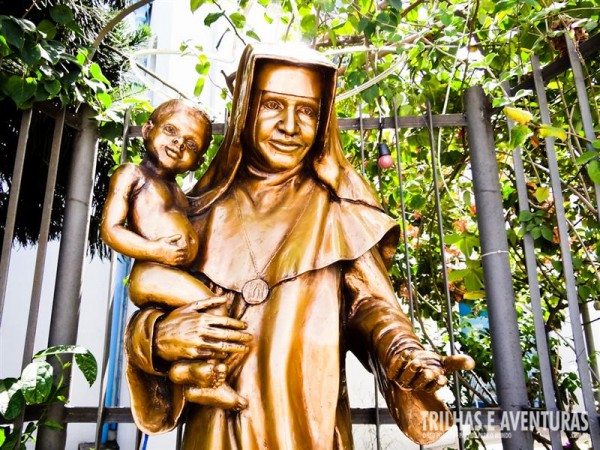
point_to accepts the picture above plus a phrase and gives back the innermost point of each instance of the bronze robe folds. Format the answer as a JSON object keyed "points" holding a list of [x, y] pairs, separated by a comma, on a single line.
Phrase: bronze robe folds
{"points": [[293, 374]]}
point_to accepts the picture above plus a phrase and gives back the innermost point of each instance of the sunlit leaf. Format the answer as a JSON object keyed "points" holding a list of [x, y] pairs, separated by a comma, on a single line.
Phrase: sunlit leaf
{"points": [[36, 382], [96, 72], [195, 4], [550, 131], [519, 116], [199, 86], [474, 295], [542, 194], [238, 20], [519, 134]]}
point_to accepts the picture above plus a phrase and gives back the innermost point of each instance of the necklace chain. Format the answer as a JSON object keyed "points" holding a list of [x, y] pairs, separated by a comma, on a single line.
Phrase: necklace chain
{"points": [[264, 287]]}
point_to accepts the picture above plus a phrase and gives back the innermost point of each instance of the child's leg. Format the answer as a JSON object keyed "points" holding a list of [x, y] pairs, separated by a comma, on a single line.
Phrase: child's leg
{"points": [[206, 384], [153, 283]]}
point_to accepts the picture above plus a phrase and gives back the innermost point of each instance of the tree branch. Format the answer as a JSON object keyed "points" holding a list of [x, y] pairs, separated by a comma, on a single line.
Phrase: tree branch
{"points": [[111, 24]]}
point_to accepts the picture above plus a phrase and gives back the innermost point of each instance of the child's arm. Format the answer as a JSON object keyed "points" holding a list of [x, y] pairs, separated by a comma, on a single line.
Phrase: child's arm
{"points": [[114, 232]]}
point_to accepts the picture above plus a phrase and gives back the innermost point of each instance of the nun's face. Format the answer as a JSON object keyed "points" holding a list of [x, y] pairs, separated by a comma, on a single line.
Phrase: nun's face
{"points": [[282, 120]]}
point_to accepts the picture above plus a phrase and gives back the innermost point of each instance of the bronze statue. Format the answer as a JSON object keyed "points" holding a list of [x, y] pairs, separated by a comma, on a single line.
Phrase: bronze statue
{"points": [[297, 245], [145, 217]]}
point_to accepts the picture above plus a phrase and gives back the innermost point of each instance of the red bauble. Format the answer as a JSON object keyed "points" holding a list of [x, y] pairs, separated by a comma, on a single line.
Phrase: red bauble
{"points": [[385, 161]]}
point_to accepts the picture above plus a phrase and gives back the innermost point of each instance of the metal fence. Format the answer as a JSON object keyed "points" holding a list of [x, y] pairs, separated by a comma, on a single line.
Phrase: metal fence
{"points": [[510, 383]]}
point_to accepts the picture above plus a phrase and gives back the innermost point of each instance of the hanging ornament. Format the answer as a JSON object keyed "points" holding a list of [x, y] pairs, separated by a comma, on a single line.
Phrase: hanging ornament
{"points": [[384, 157]]}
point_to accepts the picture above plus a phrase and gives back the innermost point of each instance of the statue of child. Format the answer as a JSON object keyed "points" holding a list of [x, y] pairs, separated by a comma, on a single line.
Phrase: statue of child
{"points": [[145, 218]]}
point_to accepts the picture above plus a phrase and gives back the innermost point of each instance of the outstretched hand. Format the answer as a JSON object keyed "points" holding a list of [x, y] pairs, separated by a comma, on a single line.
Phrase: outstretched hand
{"points": [[426, 371], [189, 332]]}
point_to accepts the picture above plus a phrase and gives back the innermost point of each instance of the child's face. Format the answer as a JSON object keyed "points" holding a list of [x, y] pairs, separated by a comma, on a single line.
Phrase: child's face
{"points": [[175, 141]]}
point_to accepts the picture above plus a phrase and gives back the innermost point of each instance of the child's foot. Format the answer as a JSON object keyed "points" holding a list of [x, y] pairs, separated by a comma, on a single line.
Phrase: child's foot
{"points": [[201, 374], [223, 397]]}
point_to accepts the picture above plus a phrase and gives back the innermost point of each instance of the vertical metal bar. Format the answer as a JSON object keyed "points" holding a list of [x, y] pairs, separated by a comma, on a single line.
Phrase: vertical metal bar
{"points": [[109, 308], [36, 290], [506, 350], [571, 287], [588, 129], [584, 105], [440, 224], [73, 244], [179, 437], [362, 141], [411, 300], [536, 305], [13, 200], [138, 439], [377, 415], [38, 276]]}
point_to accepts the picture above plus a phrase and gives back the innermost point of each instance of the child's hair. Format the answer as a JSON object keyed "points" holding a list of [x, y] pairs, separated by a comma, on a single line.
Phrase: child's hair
{"points": [[170, 106]]}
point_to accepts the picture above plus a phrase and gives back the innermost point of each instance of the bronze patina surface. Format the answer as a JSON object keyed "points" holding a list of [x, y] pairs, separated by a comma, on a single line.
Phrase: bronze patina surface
{"points": [[281, 214]]}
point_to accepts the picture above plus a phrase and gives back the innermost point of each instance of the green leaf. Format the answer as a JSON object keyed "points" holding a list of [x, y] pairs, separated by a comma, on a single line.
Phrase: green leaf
{"points": [[88, 366], [446, 18], [550, 131], [81, 56], [36, 382], [2, 436], [542, 194], [238, 19], [474, 295], [383, 18], [61, 14], [587, 156], [74, 27], [96, 72], [596, 143], [457, 275], [212, 18], [11, 398], [536, 233], [199, 87], [417, 202], [20, 89], [473, 280], [308, 24], [47, 28], [525, 216], [195, 4], [203, 65], [396, 4], [13, 33], [26, 25], [253, 35], [105, 99], [52, 87], [12, 442], [519, 134], [58, 349], [31, 53], [369, 95], [547, 233], [52, 424], [593, 170]]}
